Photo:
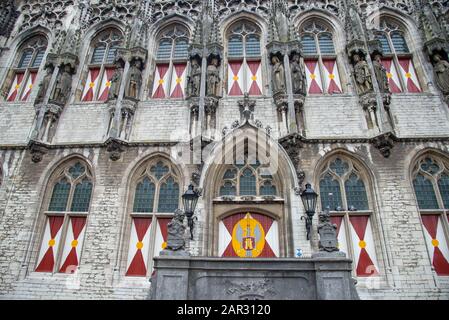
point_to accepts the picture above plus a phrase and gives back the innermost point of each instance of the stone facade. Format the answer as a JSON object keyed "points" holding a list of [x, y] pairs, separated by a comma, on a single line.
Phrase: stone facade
{"points": [[143, 128]]}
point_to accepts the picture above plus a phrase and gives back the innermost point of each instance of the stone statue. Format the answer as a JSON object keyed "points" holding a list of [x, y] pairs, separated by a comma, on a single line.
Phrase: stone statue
{"points": [[45, 83], [213, 78], [362, 75], [176, 230], [441, 69], [135, 80], [116, 80], [195, 79], [278, 75], [381, 74], [298, 75], [63, 85]]}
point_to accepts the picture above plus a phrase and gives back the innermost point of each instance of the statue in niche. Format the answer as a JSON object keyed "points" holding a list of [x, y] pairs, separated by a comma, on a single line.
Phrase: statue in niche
{"points": [[362, 75], [135, 80], [195, 79], [441, 69], [116, 81], [63, 85], [298, 75], [381, 74], [278, 75], [213, 78], [45, 83], [176, 231]]}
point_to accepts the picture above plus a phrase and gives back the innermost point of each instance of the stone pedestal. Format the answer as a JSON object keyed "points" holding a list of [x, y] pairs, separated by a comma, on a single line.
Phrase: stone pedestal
{"points": [[202, 278]]}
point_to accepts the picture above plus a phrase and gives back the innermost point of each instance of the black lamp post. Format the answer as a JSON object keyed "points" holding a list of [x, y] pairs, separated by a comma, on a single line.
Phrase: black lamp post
{"points": [[190, 199], [309, 198]]}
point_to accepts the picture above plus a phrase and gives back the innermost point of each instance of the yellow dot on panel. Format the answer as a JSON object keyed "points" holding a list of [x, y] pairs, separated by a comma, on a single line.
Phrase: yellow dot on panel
{"points": [[408, 75], [313, 76], [17, 86], [161, 81], [331, 76], [435, 243], [92, 84], [51, 242], [236, 78], [362, 244], [30, 86], [74, 243], [389, 75], [164, 245], [254, 78], [178, 80], [139, 245], [108, 84]]}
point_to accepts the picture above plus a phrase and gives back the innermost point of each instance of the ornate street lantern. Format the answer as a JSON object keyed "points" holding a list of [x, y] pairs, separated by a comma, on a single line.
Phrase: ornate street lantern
{"points": [[309, 198], [190, 199]]}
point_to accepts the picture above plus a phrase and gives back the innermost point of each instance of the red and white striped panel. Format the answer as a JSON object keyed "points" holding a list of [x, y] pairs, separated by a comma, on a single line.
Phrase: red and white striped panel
{"points": [[249, 235], [235, 78], [333, 83], [160, 81], [139, 244], [341, 233], [314, 83], [254, 81], [363, 244], [161, 235], [29, 86], [73, 245], [437, 243], [392, 75], [50, 244], [15, 87], [91, 85], [408, 74], [178, 80], [106, 84]]}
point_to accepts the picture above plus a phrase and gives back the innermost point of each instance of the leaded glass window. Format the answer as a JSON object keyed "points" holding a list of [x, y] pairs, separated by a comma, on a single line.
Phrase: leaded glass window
{"points": [[343, 190], [244, 55], [66, 217], [104, 49], [157, 188], [397, 58], [320, 58], [25, 69], [431, 184], [247, 180]]}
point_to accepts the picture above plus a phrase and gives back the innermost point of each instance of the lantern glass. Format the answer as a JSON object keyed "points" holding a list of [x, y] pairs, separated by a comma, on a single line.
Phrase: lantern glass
{"points": [[190, 199], [309, 198]]}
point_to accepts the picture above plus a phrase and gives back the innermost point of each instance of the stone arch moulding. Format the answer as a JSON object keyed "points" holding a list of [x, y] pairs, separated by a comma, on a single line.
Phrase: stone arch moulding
{"points": [[210, 180]]}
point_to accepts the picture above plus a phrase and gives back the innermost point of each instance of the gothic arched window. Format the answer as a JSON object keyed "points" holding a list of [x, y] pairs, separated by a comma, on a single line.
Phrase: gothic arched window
{"points": [[247, 180], [431, 185], [343, 190], [155, 197], [320, 59], [67, 207], [171, 63], [26, 66], [101, 65], [244, 60], [397, 58]]}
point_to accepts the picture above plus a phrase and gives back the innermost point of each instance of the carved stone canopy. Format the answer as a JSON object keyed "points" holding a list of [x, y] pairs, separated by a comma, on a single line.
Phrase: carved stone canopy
{"points": [[356, 47], [384, 143], [115, 147], [437, 45], [37, 150], [280, 49]]}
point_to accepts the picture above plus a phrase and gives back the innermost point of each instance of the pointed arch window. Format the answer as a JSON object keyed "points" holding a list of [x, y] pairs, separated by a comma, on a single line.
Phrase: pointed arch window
{"points": [[25, 69], [171, 63], [155, 198], [397, 58], [244, 60], [101, 67], [320, 59], [343, 190], [247, 180], [431, 185], [65, 218]]}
